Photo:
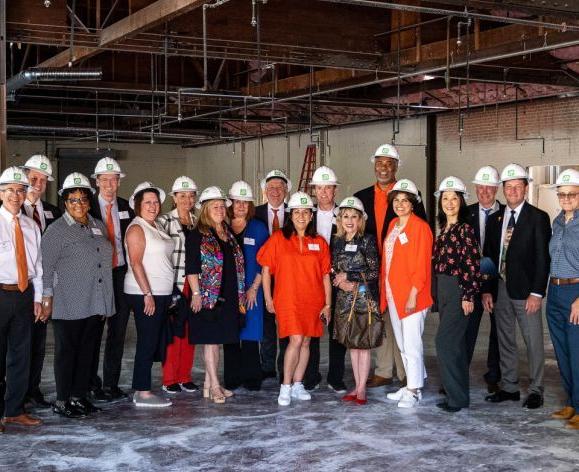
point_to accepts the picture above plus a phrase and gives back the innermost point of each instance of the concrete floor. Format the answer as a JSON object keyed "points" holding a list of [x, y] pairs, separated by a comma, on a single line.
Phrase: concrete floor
{"points": [[252, 433]]}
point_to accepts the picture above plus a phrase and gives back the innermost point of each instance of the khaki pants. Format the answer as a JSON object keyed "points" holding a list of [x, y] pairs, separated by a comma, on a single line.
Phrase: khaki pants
{"points": [[388, 353]]}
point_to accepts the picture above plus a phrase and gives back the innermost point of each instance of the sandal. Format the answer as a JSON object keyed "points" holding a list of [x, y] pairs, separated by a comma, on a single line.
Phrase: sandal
{"points": [[216, 395]]}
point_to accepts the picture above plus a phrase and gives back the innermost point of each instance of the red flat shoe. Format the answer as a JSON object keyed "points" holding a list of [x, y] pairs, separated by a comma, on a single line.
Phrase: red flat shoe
{"points": [[349, 398], [361, 401]]}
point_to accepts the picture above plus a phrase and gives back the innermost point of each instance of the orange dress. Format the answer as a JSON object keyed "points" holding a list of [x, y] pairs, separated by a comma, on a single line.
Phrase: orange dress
{"points": [[298, 295]]}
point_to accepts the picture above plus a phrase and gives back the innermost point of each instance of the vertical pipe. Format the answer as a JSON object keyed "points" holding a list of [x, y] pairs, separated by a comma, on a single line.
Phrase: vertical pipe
{"points": [[205, 6], [431, 165], [3, 144]]}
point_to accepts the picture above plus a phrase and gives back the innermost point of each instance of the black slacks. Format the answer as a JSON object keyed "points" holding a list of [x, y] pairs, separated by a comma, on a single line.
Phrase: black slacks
{"points": [[74, 342], [37, 350], [115, 339], [241, 365], [16, 318]]}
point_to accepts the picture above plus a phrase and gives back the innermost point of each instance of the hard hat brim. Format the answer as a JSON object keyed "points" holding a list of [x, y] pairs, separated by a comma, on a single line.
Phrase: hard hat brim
{"points": [[200, 203], [162, 195], [324, 182], [337, 211], [96, 174], [241, 199], [488, 184], [438, 193], [61, 191], [264, 181], [43, 172]]}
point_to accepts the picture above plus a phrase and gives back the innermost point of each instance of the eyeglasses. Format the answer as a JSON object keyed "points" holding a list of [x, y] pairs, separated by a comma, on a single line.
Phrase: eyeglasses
{"points": [[566, 196], [78, 201], [21, 192]]}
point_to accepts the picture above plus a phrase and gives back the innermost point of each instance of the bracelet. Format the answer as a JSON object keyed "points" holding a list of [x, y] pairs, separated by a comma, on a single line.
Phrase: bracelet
{"points": [[45, 303], [148, 294], [196, 294]]}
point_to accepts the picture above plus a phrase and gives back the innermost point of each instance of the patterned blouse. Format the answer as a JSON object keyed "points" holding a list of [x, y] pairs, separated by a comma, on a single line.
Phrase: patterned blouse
{"points": [[456, 253]]}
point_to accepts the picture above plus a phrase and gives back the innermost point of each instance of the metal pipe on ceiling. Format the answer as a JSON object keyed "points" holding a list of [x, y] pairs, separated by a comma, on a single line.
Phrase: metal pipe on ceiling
{"points": [[50, 74], [205, 7]]}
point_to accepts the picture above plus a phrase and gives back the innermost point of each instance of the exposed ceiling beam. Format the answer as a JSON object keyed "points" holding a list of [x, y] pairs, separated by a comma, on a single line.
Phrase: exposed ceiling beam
{"points": [[157, 13]]}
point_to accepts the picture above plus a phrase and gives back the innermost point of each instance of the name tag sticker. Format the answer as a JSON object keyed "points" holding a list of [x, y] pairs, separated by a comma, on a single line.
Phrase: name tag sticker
{"points": [[48, 214], [403, 238], [5, 246], [124, 215], [249, 241], [313, 247], [97, 231], [351, 247]]}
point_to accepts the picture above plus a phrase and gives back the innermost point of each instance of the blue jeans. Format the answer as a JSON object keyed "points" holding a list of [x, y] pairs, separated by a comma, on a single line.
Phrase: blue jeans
{"points": [[565, 337]]}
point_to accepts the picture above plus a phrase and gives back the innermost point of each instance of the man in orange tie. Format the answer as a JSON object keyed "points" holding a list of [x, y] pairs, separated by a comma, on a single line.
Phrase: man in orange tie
{"points": [[116, 214], [20, 292]]}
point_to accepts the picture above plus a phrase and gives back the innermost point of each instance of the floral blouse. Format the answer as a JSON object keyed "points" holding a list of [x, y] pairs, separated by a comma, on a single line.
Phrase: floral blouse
{"points": [[456, 252]]}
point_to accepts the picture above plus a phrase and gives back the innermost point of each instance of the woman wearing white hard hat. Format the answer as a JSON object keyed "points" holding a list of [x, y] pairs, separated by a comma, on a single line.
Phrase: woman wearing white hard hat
{"points": [[406, 275], [300, 261], [241, 362], [456, 261], [78, 292], [179, 352], [563, 295], [356, 268], [148, 285], [215, 270]]}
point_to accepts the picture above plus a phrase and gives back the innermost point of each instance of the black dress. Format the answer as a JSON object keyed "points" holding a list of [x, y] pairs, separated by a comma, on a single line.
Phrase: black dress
{"points": [[220, 325]]}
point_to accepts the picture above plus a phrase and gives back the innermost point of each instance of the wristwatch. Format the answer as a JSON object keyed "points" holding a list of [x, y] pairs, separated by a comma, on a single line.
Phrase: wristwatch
{"points": [[148, 294]]}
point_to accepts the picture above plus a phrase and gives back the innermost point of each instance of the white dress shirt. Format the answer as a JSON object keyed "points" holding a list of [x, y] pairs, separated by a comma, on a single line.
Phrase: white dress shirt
{"points": [[280, 216], [117, 224], [324, 221], [482, 217], [39, 208], [8, 267]]}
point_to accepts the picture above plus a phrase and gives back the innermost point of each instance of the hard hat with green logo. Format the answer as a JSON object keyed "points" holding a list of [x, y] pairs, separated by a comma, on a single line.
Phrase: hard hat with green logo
{"points": [[300, 200], [241, 190], [452, 184], [324, 176], [107, 165], [514, 172], [14, 175], [146, 186], [386, 150], [276, 174], [406, 185], [487, 175], [212, 193], [567, 177], [351, 202], [183, 184], [39, 163], [76, 180]]}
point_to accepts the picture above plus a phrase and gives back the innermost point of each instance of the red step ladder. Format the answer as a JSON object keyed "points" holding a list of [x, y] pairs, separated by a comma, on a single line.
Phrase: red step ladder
{"points": [[308, 170]]}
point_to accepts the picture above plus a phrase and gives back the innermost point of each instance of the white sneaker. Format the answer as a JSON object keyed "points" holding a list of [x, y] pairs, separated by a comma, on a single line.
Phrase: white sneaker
{"points": [[284, 398], [152, 401], [397, 395], [299, 392], [409, 399]]}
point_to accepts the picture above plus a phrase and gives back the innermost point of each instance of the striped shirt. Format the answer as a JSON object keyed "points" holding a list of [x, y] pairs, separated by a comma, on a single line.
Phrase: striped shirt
{"points": [[564, 247], [77, 263]]}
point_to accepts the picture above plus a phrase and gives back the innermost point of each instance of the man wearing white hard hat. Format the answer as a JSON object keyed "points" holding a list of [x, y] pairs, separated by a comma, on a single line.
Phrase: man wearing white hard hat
{"points": [[563, 298], [517, 240], [486, 183], [116, 214], [276, 186], [20, 292], [386, 160]]}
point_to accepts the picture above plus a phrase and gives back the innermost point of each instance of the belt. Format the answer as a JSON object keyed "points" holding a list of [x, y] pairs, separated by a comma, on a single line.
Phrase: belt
{"points": [[9, 287], [556, 281]]}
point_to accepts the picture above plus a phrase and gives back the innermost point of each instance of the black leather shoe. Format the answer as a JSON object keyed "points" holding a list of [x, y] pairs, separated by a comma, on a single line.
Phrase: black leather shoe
{"points": [[493, 387], [115, 393], [502, 396], [100, 396], [67, 410], [446, 407], [268, 375], [442, 391], [84, 405], [37, 401], [533, 401]]}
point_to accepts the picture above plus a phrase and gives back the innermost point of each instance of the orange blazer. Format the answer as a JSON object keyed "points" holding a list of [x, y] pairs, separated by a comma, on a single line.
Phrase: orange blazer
{"points": [[411, 266]]}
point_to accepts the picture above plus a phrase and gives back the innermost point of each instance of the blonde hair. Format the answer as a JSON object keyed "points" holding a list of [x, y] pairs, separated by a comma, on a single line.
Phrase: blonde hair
{"points": [[340, 233]]}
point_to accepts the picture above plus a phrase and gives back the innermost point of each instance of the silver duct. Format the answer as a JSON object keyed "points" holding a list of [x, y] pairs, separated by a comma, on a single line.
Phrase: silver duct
{"points": [[45, 75]]}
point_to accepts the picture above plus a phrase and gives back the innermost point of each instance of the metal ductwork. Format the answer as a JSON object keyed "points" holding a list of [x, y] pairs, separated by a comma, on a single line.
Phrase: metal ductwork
{"points": [[50, 75]]}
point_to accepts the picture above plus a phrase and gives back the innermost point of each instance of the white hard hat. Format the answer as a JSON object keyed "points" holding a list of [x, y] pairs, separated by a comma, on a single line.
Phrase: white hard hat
{"points": [[241, 190], [514, 172], [406, 185], [40, 163], [300, 200], [386, 150], [487, 175], [14, 175], [107, 165], [324, 176], [351, 202], [183, 184], [276, 174], [452, 184], [212, 193], [76, 180], [567, 177], [146, 186]]}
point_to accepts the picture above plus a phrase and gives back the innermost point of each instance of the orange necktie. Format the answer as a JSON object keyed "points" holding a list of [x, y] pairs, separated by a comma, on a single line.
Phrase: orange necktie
{"points": [[275, 222], [111, 233], [20, 256]]}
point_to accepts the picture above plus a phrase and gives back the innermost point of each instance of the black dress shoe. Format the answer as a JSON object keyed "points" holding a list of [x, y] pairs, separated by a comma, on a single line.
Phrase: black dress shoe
{"points": [[84, 405], [100, 396], [502, 396], [115, 393], [533, 401], [446, 407], [67, 410], [268, 375], [493, 387], [442, 391], [37, 401]]}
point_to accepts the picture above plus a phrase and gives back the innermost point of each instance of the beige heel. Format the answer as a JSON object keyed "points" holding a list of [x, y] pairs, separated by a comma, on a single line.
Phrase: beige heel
{"points": [[216, 395], [226, 393], [206, 393]]}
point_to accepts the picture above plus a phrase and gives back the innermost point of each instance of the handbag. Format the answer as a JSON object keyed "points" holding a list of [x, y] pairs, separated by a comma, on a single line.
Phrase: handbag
{"points": [[364, 327]]}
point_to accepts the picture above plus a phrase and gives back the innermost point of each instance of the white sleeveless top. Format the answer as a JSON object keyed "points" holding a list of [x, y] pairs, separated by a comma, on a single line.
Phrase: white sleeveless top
{"points": [[157, 261]]}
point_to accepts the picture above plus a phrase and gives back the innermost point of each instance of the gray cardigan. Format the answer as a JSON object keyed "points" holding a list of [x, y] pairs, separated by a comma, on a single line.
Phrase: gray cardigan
{"points": [[77, 264]]}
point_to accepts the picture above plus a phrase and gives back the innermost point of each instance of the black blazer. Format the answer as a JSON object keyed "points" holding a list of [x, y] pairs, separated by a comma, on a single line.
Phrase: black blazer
{"points": [[367, 197], [95, 212], [261, 213], [528, 253], [473, 215]]}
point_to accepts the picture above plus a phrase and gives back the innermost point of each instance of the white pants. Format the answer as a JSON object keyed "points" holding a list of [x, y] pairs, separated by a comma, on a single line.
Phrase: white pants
{"points": [[408, 334]]}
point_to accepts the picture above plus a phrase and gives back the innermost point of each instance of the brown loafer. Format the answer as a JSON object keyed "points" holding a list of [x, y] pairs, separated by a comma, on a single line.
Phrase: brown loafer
{"points": [[573, 423], [1, 428], [565, 413], [378, 381], [23, 420]]}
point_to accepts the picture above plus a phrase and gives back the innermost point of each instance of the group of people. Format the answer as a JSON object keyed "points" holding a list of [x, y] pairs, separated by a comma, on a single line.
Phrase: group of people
{"points": [[262, 281]]}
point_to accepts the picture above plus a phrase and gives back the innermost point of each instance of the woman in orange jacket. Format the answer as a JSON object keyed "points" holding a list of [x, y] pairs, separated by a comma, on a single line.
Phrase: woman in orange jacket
{"points": [[406, 271]]}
